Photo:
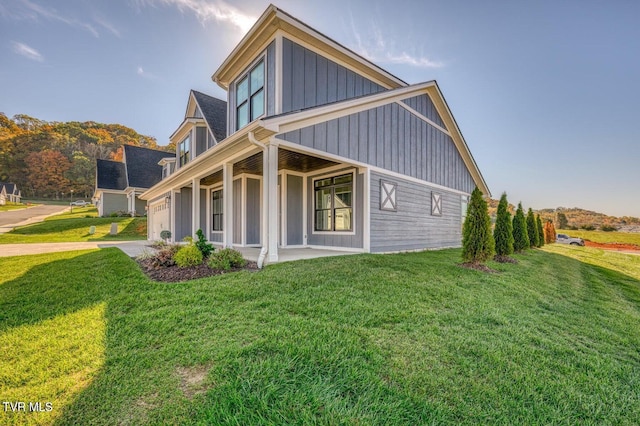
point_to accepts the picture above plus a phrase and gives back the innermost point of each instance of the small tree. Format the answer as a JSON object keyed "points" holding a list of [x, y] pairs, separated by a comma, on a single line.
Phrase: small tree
{"points": [[477, 241], [520, 236], [532, 229], [561, 218], [503, 231], [540, 231], [549, 232]]}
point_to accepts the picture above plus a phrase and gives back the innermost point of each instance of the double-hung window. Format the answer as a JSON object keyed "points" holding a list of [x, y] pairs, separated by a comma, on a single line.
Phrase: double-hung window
{"points": [[216, 208], [183, 150], [334, 203], [250, 96]]}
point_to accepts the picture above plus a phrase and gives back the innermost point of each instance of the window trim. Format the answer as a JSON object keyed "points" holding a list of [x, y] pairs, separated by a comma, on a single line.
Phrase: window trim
{"points": [[217, 189], [354, 208], [247, 74], [187, 154]]}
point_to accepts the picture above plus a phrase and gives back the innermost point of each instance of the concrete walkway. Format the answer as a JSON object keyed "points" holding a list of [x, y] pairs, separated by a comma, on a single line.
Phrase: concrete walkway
{"points": [[131, 248]]}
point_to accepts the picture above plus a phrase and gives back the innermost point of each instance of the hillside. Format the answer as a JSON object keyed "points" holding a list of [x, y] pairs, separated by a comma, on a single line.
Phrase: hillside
{"points": [[48, 159], [578, 218]]}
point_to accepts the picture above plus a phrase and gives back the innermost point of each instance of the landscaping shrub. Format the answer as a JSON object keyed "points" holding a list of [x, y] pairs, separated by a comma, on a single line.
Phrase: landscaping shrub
{"points": [[503, 231], [520, 235], [477, 240], [165, 235], [188, 255], [588, 227], [532, 229], [165, 257], [540, 231], [226, 259], [608, 228], [549, 232], [205, 248]]}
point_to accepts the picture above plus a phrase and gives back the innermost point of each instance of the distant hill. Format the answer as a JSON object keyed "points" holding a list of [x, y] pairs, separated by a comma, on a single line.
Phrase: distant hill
{"points": [[578, 218], [49, 159]]}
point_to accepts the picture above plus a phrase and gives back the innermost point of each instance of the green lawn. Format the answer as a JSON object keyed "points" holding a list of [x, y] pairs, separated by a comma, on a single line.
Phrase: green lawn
{"points": [[71, 227], [364, 339], [605, 237], [12, 206]]}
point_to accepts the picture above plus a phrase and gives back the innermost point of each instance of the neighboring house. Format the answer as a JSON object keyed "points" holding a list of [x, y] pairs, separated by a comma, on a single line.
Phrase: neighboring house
{"points": [[9, 192], [119, 184], [323, 149]]}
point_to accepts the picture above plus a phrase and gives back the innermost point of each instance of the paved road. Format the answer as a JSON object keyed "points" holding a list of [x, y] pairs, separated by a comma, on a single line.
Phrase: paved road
{"points": [[12, 218]]}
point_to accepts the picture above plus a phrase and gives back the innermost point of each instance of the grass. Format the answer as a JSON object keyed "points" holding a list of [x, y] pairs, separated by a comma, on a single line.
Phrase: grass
{"points": [[605, 237], [73, 227], [12, 206], [364, 339]]}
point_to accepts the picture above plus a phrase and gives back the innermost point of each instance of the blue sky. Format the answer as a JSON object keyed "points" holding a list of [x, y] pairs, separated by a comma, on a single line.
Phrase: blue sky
{"points": [[546, 93]]}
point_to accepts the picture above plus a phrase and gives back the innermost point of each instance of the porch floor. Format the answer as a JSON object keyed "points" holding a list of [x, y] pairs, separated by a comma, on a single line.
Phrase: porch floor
{"points": [[290, 254]]}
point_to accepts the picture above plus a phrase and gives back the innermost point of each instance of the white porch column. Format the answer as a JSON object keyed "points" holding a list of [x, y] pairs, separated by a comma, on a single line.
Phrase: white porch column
{"points": [[172, 215], [271, 210], [227, 204], [195, 206]]}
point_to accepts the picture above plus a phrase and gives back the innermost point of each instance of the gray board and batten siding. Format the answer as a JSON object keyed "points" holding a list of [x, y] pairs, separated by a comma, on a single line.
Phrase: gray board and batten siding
{"points": [[391, 138], [412, 226], [252, 205], [294, 210], [310, 79], [183, 212], [270, 89], [335, 239]]}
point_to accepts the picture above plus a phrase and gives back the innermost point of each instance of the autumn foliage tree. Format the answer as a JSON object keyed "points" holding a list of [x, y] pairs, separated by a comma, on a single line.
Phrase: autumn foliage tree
{"points": [[549, 232], [47, 172], [520, 235], [503, 231], [540, 231], [477, 241]]}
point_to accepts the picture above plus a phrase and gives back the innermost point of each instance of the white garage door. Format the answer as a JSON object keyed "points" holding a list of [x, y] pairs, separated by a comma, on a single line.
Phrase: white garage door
{"points": [[158, 219]]}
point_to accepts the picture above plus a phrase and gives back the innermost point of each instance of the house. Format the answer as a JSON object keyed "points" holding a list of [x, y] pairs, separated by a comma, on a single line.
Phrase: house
{"points": [[323, 149], [119, 184], [9, 192]]}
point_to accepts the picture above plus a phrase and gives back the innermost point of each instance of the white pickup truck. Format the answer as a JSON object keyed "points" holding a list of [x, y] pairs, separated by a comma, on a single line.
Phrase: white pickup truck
{"points": [[565, 239]]}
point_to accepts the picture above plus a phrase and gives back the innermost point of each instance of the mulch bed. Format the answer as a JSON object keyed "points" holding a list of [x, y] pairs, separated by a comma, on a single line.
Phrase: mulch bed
{"points": [[174, 273]]}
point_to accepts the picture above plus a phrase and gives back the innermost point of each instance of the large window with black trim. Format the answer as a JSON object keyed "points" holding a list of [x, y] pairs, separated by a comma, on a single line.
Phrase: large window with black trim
{"points": [[183, 150], [334, 203], [216, 209], [250, 96]]}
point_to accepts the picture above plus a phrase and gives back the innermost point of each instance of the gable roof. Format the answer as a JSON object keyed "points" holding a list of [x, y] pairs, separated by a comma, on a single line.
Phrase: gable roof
{"points": [[274, 19], [110, 175], [304, 118], [214, 111], [8, 187], [141, 165]]}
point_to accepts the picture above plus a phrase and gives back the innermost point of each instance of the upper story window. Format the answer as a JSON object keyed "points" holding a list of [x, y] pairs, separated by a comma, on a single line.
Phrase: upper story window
{"points": [[250, 96], [183, 150]]}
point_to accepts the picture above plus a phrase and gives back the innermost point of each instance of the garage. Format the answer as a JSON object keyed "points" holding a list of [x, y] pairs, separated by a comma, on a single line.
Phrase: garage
{"points": [[159, 219]]}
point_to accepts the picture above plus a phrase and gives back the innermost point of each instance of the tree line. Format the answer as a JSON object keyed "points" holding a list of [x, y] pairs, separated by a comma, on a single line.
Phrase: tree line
{"points": [[49, 159], [509, 235]]}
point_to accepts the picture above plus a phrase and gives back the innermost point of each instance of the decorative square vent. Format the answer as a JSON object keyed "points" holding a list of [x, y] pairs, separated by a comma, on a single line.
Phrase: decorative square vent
{"points": [[436, 204], [388, 196]]}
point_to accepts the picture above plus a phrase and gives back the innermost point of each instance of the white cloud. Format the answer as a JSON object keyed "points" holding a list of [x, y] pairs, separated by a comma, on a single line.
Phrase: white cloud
{"points": [[27, 51], [217, 10], [146, 74], [108, 26], [377, 50]]}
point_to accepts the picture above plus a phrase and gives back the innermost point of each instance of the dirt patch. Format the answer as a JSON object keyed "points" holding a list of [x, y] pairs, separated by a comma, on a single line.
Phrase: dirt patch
{"points": [[504, 259], [478, 267], [612, 246], [192, 380], [172, 274]]}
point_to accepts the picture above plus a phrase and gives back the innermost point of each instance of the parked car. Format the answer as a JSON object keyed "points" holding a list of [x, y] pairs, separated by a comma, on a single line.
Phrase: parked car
{"points": [[565, 239], [79, 203]]}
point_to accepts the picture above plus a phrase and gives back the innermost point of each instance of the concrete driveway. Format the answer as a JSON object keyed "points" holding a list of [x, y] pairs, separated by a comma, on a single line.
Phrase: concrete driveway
{"points": [[131, 248], [13, 218]]}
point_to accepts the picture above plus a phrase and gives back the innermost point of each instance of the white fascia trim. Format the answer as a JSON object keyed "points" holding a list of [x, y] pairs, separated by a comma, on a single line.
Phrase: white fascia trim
{"points": [[295, 121], [200, 165], [181, 127], [322, 154], [423, 118]]}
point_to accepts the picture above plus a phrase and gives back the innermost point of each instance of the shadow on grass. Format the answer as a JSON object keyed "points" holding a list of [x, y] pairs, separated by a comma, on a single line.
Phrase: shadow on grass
{"points": [[280, 347]]}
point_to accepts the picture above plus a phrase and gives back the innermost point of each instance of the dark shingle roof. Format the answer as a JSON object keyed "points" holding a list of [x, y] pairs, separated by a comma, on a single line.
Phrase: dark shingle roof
{"points": [[9, 187], [142, 166], [214, 111], [111, 175]]}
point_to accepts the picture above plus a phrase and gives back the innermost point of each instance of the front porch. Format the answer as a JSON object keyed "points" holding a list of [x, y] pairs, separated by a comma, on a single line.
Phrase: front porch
{"points": [[291, 254]]}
